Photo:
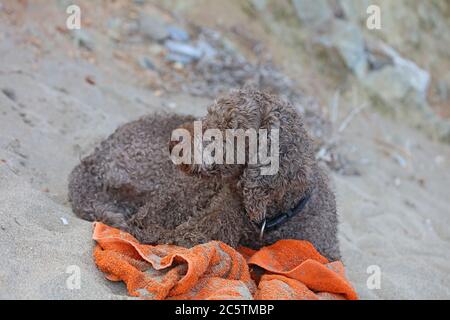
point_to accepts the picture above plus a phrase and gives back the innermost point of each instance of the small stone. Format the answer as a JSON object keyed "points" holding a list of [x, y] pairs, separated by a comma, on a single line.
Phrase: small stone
{"points": [[348, 41], [130, 27], [178, 66], [313, 13], [184, 49], [153, 28], [114, 25], [83, 39], [439, 160], [172, 105], [156, 49], [146, 63], [207, 50], [90, 80], [443, 90], [259, 5], [178, 34], [400, 160], [64, 221], [9, 93], [179, 58]]}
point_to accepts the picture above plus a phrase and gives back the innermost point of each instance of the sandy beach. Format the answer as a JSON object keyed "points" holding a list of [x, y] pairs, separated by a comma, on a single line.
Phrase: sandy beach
{"points": [[57, 101]]}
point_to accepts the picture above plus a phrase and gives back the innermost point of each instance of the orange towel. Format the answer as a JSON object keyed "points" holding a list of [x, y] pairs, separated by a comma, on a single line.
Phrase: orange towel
{"points": [[293, 270]]}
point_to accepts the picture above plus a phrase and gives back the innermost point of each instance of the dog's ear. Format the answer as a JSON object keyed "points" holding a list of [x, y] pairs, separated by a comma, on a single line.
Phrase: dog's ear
{"points": [[261, 186]]}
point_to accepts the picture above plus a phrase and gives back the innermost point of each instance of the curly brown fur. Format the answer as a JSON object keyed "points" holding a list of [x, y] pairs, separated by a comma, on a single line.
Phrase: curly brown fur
{"points": [[131, 183]]}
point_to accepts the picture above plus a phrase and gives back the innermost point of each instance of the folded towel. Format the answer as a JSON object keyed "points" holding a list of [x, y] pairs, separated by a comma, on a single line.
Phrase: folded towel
{"points": [[292, 269]]}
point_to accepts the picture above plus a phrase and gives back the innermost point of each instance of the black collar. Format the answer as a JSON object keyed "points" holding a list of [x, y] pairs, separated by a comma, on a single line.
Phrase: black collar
{"points": [[282, 217]]}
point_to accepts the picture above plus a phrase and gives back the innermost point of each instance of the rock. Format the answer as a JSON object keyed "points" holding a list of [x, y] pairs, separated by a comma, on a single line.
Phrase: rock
{"points": [[403, 86], [398, 79], [443, 89], [181, 48], [114, 28], [313, 13], [179, 58], [348, 41], [10, 93], [83, 39], [153, 28], [146, 63], [355, 10], [130, 27], [259, 5], [207, 49], [156, 49], [178, 34]]}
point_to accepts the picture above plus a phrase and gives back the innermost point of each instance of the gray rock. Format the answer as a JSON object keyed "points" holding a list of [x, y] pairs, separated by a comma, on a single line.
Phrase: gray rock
{"points": [[313, 13], [443, 90], [83, 39], [146, 63], [403, 86], [130, 27], [10, 93], [184, 49], [355, 10], [178, 34], [179, 58], [260, 5], [114, 26], [207, 49], [397, 80], [153, 28], [348, 41]]}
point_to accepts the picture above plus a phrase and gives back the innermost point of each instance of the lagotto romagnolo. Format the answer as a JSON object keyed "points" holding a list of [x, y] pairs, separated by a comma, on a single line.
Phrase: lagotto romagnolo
{"points": [[130, 182]]}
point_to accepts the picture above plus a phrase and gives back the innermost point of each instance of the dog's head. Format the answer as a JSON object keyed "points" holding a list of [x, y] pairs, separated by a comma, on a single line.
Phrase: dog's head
{"points": [[252, 137]]}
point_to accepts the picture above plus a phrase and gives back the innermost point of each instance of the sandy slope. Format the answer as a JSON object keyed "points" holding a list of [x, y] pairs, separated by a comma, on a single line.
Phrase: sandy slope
{"points": [[392, 216]]}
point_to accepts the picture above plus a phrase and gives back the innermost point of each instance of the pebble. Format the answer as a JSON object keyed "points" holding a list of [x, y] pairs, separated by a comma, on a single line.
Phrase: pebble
{"points": [[9, 93], [114, 25], [178, 34], [179, 58], [83, 39], [207, 50], [153, 28], [146, 63], [90, 80], [181, 48], [439, 159]]}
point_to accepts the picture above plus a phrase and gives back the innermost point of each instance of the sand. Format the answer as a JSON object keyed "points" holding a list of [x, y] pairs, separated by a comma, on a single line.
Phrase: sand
{"points": [[395, 215]]}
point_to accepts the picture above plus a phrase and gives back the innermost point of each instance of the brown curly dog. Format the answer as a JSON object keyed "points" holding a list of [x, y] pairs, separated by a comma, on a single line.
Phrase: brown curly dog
{"points": [[130, 182]]}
